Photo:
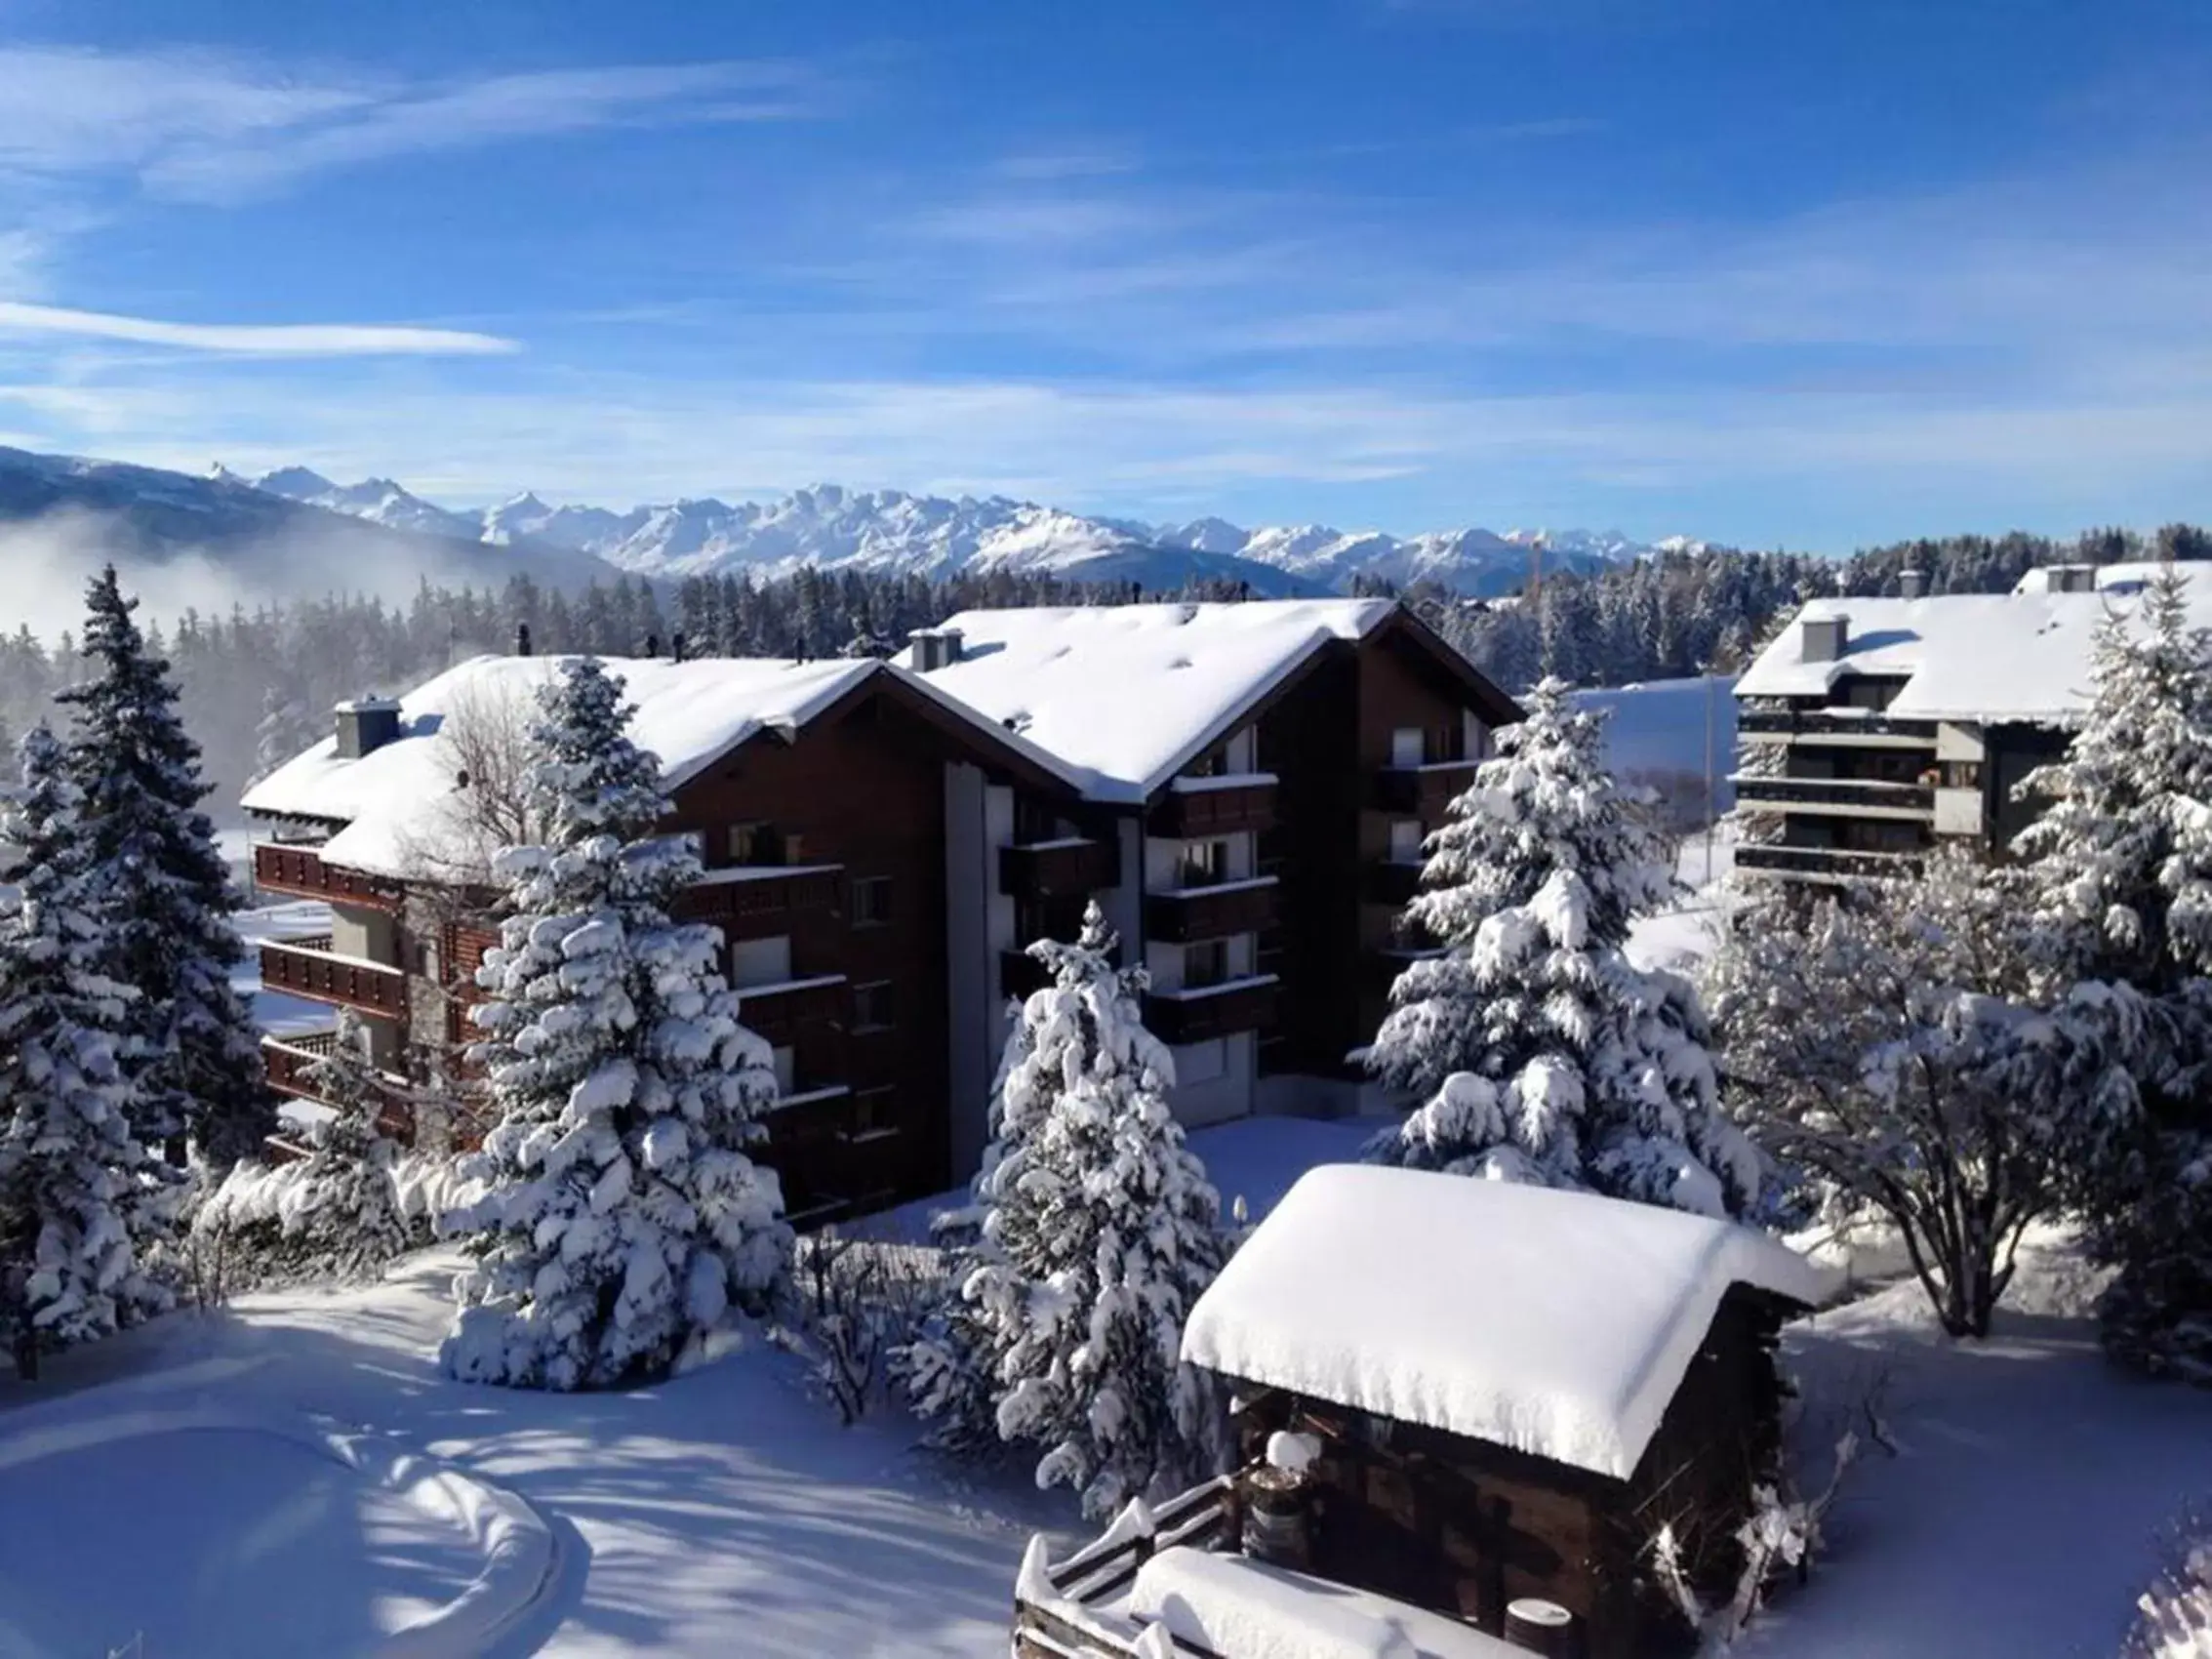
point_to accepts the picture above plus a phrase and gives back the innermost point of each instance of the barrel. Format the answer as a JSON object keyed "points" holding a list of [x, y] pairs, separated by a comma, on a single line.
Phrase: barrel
{"points": [[1537, 1626]]}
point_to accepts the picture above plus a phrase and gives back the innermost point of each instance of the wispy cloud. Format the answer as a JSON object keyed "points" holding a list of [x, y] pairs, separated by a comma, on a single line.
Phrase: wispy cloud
{"points": [[199, 126], [267, 339]]}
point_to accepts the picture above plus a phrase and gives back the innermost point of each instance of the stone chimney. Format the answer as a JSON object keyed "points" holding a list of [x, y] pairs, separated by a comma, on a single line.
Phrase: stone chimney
{"points": [[1824, 639], [365, 725], [1911, 583]]}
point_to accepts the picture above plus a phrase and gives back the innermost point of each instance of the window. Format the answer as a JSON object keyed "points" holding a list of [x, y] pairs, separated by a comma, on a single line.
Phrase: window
{"points": [[427, 959], [1405, 840], [1033, 821], [1212, 763], [1961, 774], [755, 844], [871, 901], [786, 1063], [872, 1007], [760, 961], [1202, 863], [1205, 963], [1409, 745], [1447, 743], [873, 1111]]}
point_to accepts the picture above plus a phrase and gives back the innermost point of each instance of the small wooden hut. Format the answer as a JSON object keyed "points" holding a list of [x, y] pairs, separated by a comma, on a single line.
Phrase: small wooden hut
{"points": [[1509, 1391]]}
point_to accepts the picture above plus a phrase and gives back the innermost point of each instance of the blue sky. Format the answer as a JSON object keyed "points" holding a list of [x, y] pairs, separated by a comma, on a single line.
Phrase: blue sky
{"points": [[1803, 274]]}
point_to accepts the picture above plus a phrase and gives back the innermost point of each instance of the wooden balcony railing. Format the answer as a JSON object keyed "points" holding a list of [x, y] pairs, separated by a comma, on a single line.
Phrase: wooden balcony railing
{"points": [[1194, 808], [1837, 792], [780, 1012], [1424, 793], [1829, 863], [832, 1162], [1393, 882], [1068, 868], [1211, 1011], [307, 967], [762, 901], [1831, 722], [1213, 913], [1063, 1610], [281, 866], [290, 1062]]}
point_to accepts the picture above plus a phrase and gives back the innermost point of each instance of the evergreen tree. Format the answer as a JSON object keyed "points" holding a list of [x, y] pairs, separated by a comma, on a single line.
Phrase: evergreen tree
{"points": [[1545, 1054], [69, 1167], [352, 1211], [1099, 1231], [164, 898], [620, 1218], [2120, 870]]}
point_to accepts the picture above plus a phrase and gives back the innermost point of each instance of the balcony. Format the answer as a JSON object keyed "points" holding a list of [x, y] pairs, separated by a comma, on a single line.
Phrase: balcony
{"points": [[1827, 864], [1212, 1011], [1421, 792], [1384, 966], [1393, 882], [309, 968], [1195, 808], [1212, 912], [762, 901], [289, 1061], [779, 1012], [1835, 725], [830, 1161], [300, 872], [1070, 868], [1877, 797]]}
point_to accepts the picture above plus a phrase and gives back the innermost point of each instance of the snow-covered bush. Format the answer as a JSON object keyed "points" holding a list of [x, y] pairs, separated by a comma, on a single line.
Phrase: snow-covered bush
{"points": [[1545, 1054], [2119, 871], [620, 1221], [1888, 1048], [854, 1303], [70, 1170], [2175, 1615], [1098, 1232], [333, 1214]]}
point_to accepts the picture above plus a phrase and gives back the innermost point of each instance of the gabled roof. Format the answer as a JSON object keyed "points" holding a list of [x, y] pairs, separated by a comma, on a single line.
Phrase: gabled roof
{"points": [[1987, 656], [1561, 1327], [1132, 694], [392, 800]]}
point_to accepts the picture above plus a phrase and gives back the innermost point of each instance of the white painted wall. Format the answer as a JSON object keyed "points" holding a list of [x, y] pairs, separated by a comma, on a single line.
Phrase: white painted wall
{"points": [[1231, 1068], [370, 935], [1959, 741], [1958, 812]]}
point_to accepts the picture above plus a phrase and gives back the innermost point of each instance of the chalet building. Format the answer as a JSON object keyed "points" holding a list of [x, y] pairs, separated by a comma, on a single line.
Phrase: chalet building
{"points": [[1259, 779], [1457, 1465], [821, 797], [1243, 788], [1876, 729]]}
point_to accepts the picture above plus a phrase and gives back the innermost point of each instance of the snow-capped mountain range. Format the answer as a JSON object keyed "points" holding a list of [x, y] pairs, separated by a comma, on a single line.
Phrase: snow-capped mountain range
{"points": [[891, 531]]}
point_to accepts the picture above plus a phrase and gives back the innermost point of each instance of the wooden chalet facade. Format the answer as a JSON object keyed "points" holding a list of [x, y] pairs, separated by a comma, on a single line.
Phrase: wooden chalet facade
{"points": [[1496, 1447], [882, 841]]}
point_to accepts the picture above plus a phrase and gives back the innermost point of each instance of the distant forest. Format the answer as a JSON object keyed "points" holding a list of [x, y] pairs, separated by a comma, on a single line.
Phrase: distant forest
{"points": [[258, 685]]}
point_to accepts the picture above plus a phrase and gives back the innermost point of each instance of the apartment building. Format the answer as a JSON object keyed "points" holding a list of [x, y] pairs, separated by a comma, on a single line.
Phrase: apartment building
{"points": [[1243, 788], [1875, 729]]}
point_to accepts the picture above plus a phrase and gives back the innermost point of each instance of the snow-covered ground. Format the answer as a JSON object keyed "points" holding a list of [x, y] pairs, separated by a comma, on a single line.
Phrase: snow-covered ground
{"points": [[726, 1513]]}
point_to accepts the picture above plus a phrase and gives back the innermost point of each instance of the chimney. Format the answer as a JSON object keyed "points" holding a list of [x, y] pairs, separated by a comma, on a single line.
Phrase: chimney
{"points": [[522, 640], [365, 725], [1823, 638], [1911, 583], [2077, 578], [934, 648], [676, 645]]}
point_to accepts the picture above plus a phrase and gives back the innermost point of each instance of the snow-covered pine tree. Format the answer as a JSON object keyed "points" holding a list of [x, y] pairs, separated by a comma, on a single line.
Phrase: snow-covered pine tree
{"points": [[620, 1218], [2119, 873], [68, 1165], [1099, 1233], [1545, 1054], [354, 1226], [164, 898]]}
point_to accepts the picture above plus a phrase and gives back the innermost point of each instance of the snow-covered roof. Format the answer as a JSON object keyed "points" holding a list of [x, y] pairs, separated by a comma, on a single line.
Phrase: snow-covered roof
{"points": [[1988, 657], [1133, 693], [2120, 577], [1561, 1327]]}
